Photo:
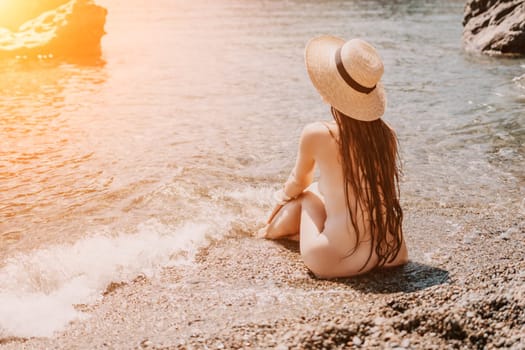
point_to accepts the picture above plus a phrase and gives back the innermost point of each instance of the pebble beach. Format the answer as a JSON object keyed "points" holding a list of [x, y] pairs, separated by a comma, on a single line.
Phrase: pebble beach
{"points": [[247, 293], [132, 184]]}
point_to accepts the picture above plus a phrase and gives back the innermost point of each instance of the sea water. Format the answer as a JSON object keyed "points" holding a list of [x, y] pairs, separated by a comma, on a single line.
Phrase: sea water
{"points": [[180, 132]]}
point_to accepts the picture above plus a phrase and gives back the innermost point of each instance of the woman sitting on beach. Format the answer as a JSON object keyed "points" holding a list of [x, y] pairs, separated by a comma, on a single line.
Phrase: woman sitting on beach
{"points": [[350, 221]]}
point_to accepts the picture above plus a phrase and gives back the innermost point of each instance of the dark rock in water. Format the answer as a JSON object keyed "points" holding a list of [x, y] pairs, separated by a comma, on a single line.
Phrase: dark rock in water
{"points": [[73, 29], [495, 27]]}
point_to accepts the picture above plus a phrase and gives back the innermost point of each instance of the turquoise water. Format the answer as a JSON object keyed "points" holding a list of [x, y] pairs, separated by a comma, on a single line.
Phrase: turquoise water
{"points": [[182, 129]]}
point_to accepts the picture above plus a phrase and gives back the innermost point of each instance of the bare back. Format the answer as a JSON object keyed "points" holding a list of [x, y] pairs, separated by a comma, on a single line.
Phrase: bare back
{"points": [[338, 230]]}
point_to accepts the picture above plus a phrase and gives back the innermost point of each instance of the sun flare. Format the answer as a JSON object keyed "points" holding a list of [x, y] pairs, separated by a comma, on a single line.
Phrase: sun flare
{"points": [[14, 13], [38, 29]]}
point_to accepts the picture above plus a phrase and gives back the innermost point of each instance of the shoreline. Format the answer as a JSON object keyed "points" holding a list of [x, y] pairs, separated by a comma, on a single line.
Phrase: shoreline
{"points": [[463, 288]]}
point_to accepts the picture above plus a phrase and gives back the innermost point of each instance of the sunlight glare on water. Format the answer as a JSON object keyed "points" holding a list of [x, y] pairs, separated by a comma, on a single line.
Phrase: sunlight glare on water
{"points": [[192, 115]]}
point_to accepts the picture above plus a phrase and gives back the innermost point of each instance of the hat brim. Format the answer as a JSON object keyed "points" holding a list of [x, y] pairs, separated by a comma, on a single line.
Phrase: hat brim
{"points": [[321, 67]]}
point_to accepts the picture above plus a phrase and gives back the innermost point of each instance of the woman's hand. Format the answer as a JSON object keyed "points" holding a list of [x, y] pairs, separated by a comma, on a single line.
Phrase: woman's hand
{"points": [[281, 197]]}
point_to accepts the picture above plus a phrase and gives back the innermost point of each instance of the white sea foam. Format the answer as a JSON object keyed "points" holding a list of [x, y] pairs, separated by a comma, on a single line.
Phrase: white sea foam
{"points": [[39, 289], [248, 200], [520, 81], [258, 196]]}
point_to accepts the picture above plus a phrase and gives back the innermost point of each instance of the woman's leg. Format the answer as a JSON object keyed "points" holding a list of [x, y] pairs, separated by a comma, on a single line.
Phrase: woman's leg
{"points": [[313, 214], [287, 222], [307, 215], [315, 247]]}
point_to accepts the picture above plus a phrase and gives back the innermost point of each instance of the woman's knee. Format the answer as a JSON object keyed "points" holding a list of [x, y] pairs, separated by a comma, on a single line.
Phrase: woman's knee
{"points": [[286, 221], [312, 204]]}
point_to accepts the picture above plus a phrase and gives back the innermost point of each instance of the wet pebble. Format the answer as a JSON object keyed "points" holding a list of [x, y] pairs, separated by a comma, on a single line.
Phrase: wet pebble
{"points": [[357, 341], [379, 321], [145, 343]]}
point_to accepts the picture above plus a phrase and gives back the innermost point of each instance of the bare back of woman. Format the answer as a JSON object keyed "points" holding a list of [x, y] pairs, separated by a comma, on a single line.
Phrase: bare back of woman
{"points": [[350, 221]]}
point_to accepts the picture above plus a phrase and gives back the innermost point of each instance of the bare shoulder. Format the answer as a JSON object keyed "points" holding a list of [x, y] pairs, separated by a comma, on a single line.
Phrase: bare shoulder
{"points": [[315, 137], [390, 127], [315, 130]]}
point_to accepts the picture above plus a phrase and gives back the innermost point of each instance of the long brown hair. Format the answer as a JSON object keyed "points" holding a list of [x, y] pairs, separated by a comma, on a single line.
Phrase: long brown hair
{"points": [[369, 157]]}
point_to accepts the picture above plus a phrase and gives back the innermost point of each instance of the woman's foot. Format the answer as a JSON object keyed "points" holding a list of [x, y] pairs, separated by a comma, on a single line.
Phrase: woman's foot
{"points": [[262, 232]]}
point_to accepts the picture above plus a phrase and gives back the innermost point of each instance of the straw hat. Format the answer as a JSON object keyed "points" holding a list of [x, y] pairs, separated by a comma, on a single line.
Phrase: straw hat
{"points": [[347, 75]]}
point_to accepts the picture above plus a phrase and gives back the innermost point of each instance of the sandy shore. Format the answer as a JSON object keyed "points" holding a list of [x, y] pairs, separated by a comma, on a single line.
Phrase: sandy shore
{"points": [[464, 288]]}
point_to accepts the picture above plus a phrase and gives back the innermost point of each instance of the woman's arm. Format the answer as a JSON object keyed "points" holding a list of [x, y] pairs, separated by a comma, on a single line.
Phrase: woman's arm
{"points": [[303, 173]]}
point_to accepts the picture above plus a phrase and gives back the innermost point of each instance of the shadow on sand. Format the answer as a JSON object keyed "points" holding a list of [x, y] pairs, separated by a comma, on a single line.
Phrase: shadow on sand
{"points": [[409, 278], [412, 277]]}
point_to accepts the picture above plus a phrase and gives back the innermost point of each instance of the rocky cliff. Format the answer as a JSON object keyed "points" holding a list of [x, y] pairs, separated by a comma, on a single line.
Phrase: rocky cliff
{"points": [[73, 29], [495, 27]]}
